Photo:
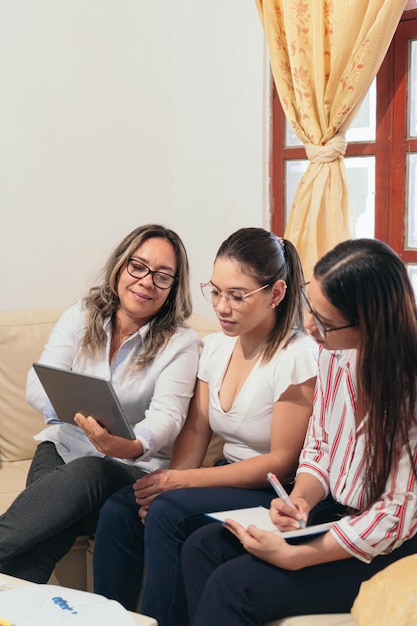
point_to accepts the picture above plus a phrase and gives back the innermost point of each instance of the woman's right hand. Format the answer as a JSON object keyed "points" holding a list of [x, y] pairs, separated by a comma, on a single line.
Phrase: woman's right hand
{"points": [[149, 486], [286, 517]]}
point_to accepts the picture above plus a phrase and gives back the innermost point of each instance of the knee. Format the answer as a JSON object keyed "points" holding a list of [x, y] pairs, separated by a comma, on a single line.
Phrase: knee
{"points": [[164, 506], [96, 470], [119, 506], [165, 514], [110, 508], [84, 467], [119, 514], [190, 550], [201, 544]]}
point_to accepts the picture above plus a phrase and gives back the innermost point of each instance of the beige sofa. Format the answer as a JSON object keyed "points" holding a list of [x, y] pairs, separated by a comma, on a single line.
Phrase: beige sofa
{"points": [[22, 337]]}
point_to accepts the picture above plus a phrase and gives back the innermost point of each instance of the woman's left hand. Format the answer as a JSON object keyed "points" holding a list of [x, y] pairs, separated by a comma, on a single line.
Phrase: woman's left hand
{"points": [[104, 442], [143, 512], [263, 544]]}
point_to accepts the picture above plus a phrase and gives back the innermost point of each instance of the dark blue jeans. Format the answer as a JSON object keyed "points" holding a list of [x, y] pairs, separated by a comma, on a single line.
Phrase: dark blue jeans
{"points": [[226, 585], [60, 502], [172, 517], [118, 549]]}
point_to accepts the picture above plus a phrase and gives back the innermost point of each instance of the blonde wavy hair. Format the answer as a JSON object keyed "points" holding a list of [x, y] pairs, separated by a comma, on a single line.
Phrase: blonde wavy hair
{"points": [[102, 300]]}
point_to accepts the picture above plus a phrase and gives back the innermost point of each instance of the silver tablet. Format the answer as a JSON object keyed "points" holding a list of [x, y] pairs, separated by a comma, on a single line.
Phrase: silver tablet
{"points": [[72, 392]]}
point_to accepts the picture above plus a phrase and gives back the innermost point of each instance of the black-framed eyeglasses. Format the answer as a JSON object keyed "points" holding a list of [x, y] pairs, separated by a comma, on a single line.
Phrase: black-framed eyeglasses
{"points": [[235, 297], [137, 269], [323, 330]]}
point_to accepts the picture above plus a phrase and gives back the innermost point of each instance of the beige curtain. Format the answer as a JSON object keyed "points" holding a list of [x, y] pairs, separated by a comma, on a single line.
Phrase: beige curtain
{"points": [[324, 55]]}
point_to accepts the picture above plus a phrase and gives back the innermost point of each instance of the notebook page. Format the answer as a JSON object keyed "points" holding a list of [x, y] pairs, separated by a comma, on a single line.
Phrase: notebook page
{"points": [[259, 516]]}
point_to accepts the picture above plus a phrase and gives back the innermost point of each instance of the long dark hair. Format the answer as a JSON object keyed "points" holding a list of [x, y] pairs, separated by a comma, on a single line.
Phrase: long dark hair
{"points": [[268, 258], [369, 284], [102, 300]]}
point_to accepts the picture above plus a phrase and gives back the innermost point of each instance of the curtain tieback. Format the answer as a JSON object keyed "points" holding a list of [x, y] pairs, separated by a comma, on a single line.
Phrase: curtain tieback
{"points": [[332, 150]]}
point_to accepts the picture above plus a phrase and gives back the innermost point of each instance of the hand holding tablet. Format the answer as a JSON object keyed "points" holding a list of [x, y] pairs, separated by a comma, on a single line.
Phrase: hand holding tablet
{"points": [[72, 392]]}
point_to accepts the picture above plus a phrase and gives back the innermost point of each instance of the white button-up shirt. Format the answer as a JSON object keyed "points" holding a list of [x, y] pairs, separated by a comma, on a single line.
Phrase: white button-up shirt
{"points": [[155, 400]]}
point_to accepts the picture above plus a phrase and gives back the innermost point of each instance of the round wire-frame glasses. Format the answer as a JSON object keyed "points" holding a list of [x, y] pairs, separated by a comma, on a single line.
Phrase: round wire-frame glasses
{"points": [[235, 297]]}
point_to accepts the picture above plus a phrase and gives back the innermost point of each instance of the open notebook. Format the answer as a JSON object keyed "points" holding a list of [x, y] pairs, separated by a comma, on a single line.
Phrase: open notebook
{"points": [[259, 516]]}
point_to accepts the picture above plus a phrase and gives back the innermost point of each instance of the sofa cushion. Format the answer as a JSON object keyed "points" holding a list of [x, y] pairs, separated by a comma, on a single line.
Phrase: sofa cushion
{"points": [[389, 598], [203, 325], [13, 480], [22, 337]]}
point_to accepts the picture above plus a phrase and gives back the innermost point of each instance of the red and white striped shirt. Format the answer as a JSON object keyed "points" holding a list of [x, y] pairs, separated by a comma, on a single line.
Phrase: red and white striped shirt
{"points": [[334, 452]]}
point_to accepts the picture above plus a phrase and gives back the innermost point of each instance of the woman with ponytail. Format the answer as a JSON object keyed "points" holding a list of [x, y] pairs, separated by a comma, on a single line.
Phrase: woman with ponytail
{"points": [[255, 389]]}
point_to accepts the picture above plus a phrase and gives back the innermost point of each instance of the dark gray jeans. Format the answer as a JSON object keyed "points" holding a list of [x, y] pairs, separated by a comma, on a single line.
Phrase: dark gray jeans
{"points": [[61, 501]]}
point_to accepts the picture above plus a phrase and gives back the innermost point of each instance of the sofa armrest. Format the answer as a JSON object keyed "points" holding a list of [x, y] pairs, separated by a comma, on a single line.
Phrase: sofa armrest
{"points": [[23, 335]]}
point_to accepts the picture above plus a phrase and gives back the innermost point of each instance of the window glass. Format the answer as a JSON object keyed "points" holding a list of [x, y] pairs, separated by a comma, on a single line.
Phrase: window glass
{"points": [[412, 89], [363, 126], [294, 171], [412, 272], [411, 200], [360, 173], [291, 138]]}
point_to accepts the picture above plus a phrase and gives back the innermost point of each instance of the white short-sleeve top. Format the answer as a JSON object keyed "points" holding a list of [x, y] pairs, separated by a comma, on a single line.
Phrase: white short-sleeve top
{"points": [[246, 428]]}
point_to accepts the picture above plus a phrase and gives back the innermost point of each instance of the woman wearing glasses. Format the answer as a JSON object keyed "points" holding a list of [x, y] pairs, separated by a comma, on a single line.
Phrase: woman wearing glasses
{"points": [[255, 388], [130, 328], [358, 465]]}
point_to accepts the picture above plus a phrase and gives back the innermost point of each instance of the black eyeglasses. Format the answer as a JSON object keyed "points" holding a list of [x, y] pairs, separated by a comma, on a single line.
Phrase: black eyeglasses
{"points": [[137, 269], [323, 330]]}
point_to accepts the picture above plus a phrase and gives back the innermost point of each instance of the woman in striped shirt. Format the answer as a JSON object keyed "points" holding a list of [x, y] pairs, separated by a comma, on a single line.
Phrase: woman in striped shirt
{"points": [[358, 465]]}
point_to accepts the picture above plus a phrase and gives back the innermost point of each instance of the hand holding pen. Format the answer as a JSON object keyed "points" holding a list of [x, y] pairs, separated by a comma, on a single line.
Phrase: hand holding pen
{"points": [[281, 493]]}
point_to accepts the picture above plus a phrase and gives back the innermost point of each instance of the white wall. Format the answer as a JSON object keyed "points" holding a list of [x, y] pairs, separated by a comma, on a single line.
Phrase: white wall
{"points": [[116, 113]]}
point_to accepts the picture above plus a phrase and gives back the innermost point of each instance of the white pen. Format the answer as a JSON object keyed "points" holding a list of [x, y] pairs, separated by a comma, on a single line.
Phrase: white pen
{"points": [[281, 493]]}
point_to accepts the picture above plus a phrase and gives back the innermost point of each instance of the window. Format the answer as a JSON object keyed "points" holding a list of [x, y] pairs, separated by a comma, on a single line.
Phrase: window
{"points": [[381, 157]]}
